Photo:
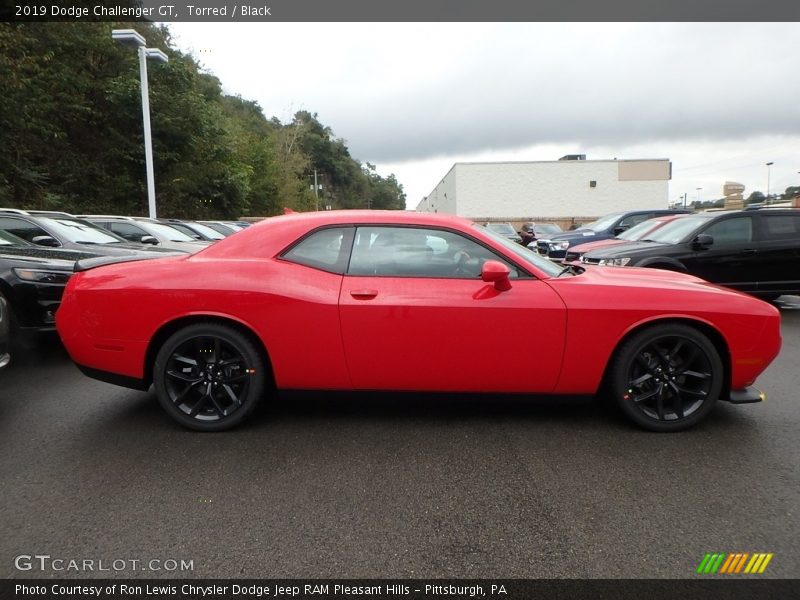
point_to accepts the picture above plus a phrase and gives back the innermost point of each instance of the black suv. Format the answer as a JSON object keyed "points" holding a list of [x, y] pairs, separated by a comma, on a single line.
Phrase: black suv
{"points": [[32, 280], [605, 228], [754, 251]]}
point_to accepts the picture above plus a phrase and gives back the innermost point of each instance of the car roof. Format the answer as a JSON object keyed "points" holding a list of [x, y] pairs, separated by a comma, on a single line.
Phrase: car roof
{"points": [[400, 217]]}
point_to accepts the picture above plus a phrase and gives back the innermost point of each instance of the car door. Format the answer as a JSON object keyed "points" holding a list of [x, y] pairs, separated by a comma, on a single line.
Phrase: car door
{"points": [[732, 259], [779, 252], [415, 315]]}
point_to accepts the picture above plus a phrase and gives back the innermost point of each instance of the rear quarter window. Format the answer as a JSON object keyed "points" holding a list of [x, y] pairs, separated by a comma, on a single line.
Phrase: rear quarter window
{"points": [[326, 249], [781, 227]]}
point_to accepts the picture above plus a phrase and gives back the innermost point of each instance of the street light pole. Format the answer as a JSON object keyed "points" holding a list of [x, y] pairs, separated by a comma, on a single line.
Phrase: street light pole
{"points": [[698, 195], [148, 138], [133, 38], [769, 164]]}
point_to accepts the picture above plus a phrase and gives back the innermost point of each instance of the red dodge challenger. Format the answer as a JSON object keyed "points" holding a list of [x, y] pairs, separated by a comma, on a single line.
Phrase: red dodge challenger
{"points": [[369, 300]]}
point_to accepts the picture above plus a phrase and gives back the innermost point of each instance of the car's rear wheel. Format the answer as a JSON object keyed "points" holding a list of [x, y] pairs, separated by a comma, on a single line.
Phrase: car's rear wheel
{"points": [[667, 377], [209, 376]]}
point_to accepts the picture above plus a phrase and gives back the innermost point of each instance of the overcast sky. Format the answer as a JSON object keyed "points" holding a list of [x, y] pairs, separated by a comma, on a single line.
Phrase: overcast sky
{"points": [[719, 100]]}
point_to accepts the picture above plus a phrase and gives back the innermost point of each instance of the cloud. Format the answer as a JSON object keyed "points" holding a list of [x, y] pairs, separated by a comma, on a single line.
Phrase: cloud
{"points": [[584, 85], [411, 96]]}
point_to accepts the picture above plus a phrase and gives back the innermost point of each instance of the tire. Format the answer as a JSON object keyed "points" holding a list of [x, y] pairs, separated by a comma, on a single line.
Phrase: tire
{"points": [[209, 377], [666, 377]]}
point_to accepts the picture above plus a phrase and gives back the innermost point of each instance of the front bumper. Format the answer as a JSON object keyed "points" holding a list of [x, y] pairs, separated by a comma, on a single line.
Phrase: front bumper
{"points": [[747, 395]]}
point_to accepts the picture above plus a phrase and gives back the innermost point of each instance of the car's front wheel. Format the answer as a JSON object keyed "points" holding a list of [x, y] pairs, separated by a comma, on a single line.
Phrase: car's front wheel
{"points": [[209, 376], [667, 377]]}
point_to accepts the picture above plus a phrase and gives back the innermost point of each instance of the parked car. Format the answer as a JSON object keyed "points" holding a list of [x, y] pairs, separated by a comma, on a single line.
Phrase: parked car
{"points": [[32, 280], [506, 230], [196, 230], [754, 251], [555, 247], [225, 229], [5, 357], [148, 231], [530, 232], [61, 230], [410, 302], [635, 233]]}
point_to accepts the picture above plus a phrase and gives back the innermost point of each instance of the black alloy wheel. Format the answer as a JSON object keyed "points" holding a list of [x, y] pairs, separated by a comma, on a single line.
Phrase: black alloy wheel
{"points": [[209, 376], [667, 377]]}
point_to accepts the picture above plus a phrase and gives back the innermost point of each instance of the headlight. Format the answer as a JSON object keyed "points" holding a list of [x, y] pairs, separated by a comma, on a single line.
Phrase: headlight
{"points": [[614, 262], [42, 276], [558, 246]]}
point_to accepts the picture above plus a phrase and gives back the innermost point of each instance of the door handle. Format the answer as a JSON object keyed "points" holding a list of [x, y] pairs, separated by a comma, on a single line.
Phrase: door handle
{"points": [[749, 251], [363, 294]]}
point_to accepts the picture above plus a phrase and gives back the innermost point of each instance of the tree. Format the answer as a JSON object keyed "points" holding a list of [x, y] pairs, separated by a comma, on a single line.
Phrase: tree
{"points": [[71, 127]]}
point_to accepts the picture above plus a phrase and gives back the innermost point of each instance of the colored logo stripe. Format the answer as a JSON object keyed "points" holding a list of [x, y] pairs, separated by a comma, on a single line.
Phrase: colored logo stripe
{"points": [[734, 562]]}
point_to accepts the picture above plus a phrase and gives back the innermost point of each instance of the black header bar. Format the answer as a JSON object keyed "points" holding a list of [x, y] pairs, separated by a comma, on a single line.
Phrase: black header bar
{"points": [[402, 10]]}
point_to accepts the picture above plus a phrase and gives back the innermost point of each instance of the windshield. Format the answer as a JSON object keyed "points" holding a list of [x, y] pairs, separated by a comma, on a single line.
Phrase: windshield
{"points": [[9, 239], [602, 223], [637, 232], [503, 228], [677, 231], [207, 231], [548, 228], [527, 256], [78, 231], [166, 232]]}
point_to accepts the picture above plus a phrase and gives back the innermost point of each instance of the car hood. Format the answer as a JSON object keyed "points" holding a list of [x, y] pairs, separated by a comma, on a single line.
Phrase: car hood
{"points": [[32, 262], [642, 276], [626, 249], [190, 247], [42, 254], [571, 236], [645, 290], [650, 282], [589, 246]]}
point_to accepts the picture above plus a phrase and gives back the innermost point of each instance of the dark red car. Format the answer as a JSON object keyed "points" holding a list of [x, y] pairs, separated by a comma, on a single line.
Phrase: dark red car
{"points": [[634, 234], [406, 301]]}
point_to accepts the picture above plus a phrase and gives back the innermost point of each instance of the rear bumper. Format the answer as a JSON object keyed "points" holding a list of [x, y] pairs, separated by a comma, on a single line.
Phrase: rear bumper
{"points": [[746, 395], [133, 383]]}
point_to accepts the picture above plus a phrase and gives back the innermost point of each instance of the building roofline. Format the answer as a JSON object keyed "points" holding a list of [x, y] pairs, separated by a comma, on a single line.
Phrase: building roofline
{"points": [[534, 162]]}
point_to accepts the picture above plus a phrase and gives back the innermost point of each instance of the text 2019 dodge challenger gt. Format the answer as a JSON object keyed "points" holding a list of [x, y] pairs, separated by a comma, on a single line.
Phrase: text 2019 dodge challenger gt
{"points": [[367, 300]]}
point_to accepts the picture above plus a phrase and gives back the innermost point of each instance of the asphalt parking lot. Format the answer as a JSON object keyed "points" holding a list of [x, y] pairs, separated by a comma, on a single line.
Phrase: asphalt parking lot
{"points": [[393, 487]]}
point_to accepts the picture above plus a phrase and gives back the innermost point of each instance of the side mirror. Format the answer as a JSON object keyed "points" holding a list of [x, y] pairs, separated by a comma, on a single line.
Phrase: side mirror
{"points": [[496, 272], [45, 240], [619, 229], [703, 241], [148, 239]]}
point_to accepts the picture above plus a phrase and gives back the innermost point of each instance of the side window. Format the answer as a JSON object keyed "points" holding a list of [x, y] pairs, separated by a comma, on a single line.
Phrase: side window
{"points": [[418, 252], [325, 249], [781, 227], [128, 231], [21, 228], [732, 231], [632, 220]]}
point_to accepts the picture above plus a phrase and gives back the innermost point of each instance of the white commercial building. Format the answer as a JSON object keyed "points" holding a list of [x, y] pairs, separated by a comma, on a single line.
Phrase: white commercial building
{"points": [[555, 190]]}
